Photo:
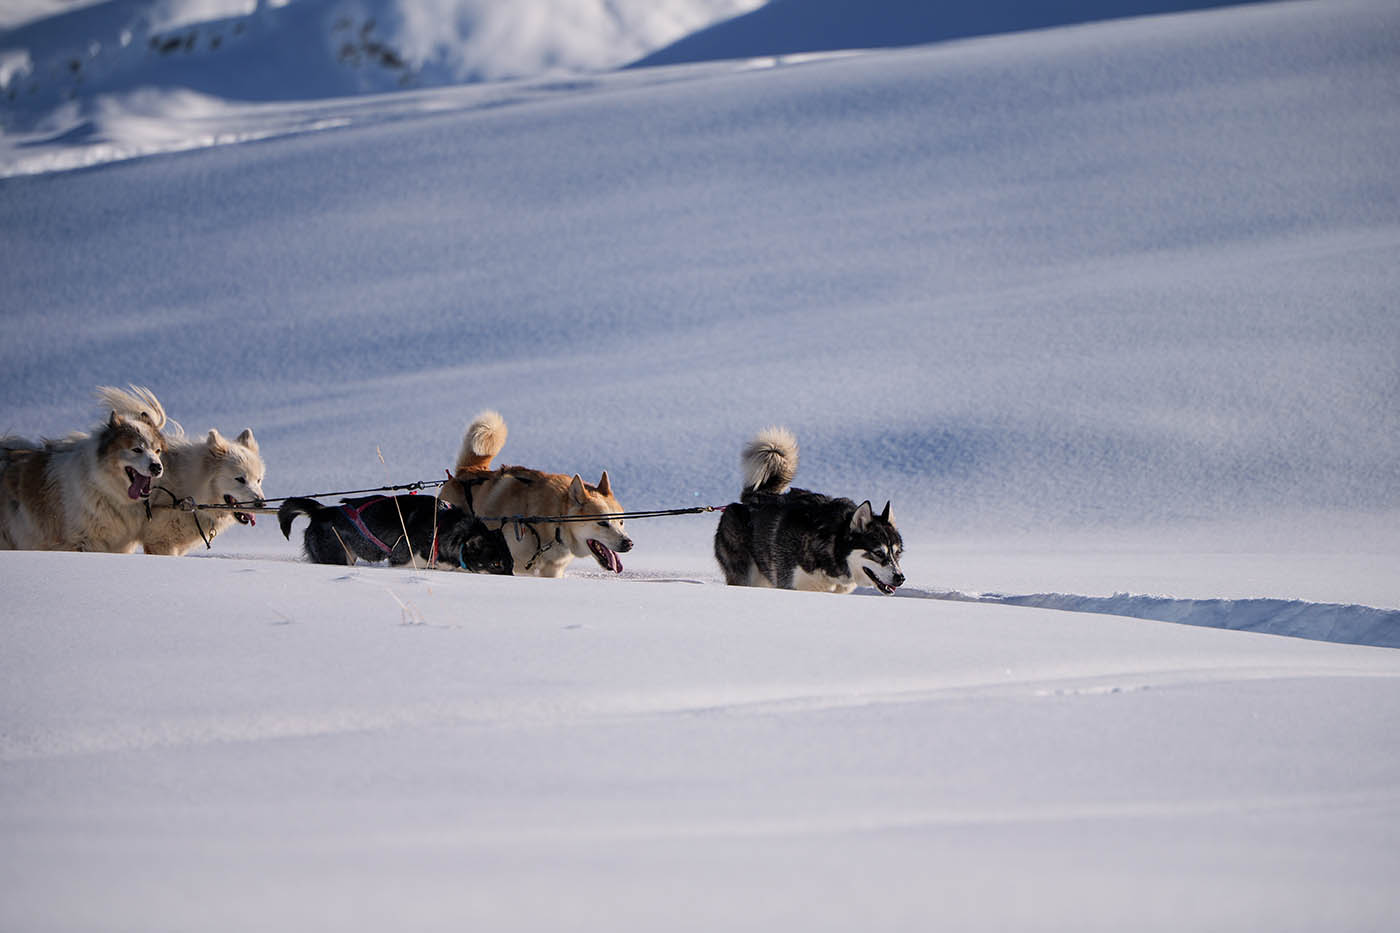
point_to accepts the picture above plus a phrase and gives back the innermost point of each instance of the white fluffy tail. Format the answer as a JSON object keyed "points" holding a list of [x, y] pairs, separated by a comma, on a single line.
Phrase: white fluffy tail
{"points": [[770, 461], [134, 402], [485, 437]]}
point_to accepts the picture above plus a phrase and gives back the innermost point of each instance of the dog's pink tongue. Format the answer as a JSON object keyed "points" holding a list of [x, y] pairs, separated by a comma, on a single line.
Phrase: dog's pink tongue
{"points": [[244, 518], [607, 554], [140, 486]]}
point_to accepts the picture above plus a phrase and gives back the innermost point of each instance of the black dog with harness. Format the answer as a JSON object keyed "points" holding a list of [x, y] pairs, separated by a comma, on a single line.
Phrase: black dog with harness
{"points": [[398, 528]]}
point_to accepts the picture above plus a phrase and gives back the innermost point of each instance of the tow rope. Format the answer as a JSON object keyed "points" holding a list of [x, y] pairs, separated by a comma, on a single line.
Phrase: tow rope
{"points": [[261, 507], [181, 504], [186, 505]]}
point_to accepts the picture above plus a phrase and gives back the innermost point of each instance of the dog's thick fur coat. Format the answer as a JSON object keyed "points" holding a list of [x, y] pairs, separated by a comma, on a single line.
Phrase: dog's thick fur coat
{"points": [[210, 471], [408, 526], [544, 548], [791, 538], [86, 492]]}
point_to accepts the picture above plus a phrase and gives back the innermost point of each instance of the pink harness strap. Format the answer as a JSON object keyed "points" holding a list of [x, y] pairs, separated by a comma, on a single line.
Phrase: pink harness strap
{"points": [[359, 523], [354, 515]]}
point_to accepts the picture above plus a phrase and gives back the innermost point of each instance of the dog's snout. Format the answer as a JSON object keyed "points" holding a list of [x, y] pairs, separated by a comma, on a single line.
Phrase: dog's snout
{"points": [[898, 579], [156, 468], [259, 502], [624, 545]]}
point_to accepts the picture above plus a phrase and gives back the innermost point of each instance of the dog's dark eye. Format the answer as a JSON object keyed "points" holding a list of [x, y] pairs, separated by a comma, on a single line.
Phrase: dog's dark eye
{"points": [[242, 480], [602, 524]]}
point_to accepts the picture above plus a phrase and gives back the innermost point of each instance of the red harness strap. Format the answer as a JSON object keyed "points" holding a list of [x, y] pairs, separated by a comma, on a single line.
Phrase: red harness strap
{"points": [[354, 515], [358, 521]]}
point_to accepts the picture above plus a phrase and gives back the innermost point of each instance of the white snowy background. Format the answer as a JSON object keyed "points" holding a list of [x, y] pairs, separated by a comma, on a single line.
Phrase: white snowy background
{"points": [[1107, 310]]}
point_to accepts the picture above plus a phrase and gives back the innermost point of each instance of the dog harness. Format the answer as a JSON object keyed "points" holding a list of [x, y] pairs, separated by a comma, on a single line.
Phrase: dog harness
{"points": [[358, 521], [520, 526], [353, 514]]}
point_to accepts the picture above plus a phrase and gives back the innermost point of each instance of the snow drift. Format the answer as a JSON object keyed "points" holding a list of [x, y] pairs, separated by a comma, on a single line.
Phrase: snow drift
{"points": [[1352, 625]]}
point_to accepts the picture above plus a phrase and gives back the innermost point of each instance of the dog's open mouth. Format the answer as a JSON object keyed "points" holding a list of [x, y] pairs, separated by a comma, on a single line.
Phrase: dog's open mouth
{"points": [[140, 487], [607, 557], [880, 585], [243, 518]]}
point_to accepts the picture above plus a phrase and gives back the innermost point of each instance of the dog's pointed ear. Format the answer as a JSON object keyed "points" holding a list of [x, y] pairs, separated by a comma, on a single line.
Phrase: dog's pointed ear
{"points": [[887, 516], [863, 516], [604, 487], [248, 440], [116, 420], [218, 447], [576, 491]]}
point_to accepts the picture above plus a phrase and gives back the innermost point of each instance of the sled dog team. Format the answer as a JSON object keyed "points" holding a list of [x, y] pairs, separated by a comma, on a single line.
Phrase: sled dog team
{"points": [[121, 485]]}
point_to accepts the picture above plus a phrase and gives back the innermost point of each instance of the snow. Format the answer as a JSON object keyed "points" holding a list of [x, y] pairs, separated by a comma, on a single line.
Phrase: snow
{"points": [[1106, 311], [246, 50], [234, 743]]}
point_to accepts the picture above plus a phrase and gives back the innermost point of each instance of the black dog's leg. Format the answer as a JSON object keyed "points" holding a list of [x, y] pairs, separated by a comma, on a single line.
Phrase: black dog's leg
{"points": [[326, 545], [732, 544], [486, 550], [410, 523]]}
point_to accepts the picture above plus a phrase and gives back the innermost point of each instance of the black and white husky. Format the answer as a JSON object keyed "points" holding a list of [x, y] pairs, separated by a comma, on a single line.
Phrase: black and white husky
{"points": [[397, 527], [794, 539]]}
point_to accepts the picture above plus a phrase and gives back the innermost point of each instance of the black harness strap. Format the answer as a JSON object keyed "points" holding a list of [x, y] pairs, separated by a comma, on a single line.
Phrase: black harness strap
{"points": [[187, 504]]}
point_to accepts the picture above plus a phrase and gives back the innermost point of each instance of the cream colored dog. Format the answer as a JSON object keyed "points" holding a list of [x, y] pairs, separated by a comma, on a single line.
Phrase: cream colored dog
{"points": [[211, 471]]}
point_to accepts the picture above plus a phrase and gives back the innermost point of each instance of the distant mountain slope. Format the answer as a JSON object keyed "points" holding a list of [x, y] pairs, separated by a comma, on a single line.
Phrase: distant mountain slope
{"points": [[14, 13], [309, 49], [784, 27]]}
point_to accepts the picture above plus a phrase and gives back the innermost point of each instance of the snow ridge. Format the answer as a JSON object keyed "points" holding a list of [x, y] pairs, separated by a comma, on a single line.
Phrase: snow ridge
{"points": [[1334, 622]]}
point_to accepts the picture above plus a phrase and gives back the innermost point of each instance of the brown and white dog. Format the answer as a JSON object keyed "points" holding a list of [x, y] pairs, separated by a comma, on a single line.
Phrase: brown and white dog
{"points": [[542, 549], [210, 471], [86, 492]]}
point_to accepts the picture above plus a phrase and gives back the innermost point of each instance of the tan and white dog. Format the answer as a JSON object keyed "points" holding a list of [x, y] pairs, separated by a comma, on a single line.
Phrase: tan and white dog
{"points": [[86, 492], [211, 471], [541, 548]]}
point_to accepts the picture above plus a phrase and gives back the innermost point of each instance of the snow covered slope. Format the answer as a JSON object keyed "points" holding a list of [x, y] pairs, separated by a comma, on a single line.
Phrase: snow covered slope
{"points": [[227, 745], [1115, 288], [1106, 311], [307, 49]]}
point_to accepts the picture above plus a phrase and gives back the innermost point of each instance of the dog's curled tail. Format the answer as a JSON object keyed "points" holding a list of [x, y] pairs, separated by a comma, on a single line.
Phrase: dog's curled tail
{"points": [[485, 437], [770, 461], [134, 402], [12, 447], [291, 508]]}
